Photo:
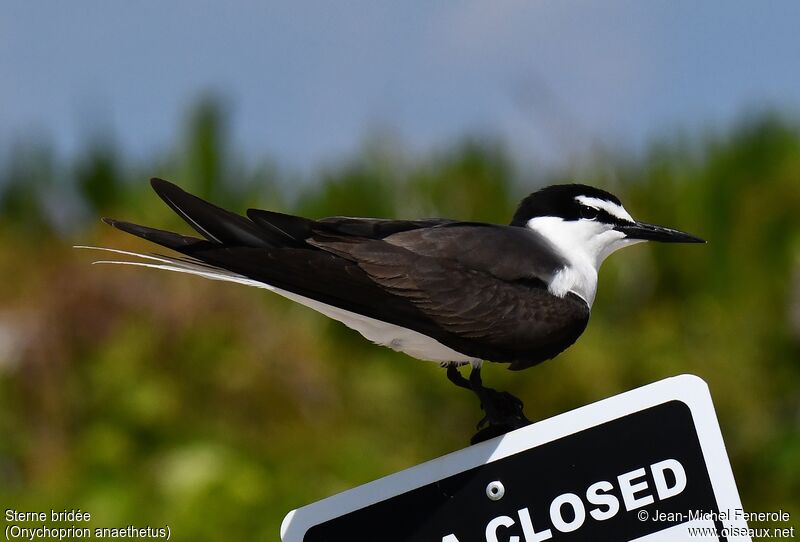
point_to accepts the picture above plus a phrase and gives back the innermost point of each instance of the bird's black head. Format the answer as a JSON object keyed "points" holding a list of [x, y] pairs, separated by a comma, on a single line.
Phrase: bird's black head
{"points": [[592, 207], [564, 201]]}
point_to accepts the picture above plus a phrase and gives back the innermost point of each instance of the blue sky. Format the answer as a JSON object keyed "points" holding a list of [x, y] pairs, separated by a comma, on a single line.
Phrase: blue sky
{"points": [[307, 82]]}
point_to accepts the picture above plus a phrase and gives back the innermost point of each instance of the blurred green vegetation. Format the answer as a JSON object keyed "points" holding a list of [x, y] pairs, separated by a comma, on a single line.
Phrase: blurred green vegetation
{"points": [[150, 398]]}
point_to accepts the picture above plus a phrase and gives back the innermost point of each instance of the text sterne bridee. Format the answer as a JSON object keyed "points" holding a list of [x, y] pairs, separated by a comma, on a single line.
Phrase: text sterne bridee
{"points": [[52, 515], [568, 512]]}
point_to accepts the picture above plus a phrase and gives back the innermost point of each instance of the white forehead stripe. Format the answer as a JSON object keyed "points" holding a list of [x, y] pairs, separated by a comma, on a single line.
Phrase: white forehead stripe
{"points": [[608, 206]]}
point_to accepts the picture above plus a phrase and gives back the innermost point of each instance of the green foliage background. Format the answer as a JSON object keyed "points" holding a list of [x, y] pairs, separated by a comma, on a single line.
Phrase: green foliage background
{"points": [[150, 398]]}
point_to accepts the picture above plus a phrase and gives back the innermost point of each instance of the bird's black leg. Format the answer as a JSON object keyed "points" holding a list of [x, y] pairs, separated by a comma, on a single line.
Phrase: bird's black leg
{"points": [[503, 411], [454, 376]]}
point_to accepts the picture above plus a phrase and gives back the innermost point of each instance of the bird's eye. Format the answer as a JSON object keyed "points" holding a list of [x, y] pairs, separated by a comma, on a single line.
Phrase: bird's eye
{"points": [[589, 213]]}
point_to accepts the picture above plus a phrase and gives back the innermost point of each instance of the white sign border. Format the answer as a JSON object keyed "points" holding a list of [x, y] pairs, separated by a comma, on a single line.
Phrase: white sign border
{"points": [[689, 389]]}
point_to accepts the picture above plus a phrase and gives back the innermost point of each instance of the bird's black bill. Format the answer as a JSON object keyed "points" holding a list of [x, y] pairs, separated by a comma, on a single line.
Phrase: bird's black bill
{"points": [[651, 232]]}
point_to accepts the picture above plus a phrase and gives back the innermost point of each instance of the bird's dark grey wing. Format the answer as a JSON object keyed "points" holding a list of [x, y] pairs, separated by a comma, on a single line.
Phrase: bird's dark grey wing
{"points": [[515, 321], [214, 223], [506, 252]]}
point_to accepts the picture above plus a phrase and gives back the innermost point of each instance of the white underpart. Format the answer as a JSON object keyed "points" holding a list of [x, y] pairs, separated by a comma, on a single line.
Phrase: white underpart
{"points": [[584, 244], [396, 337]]}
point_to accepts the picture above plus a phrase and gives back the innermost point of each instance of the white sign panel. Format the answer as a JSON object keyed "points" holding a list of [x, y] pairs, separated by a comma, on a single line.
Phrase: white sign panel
{"points": [[648, 465]]}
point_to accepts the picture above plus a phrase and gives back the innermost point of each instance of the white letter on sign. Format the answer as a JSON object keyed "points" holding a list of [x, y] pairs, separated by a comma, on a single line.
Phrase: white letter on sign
{"points": [[491, 529], [450, 538], [596, 495], [577, 506], [665, 492], [629, 490], [527, 528]]}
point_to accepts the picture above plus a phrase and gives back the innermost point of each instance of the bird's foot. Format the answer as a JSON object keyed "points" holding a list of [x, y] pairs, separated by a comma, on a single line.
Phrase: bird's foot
{"points": [[503, 411]]}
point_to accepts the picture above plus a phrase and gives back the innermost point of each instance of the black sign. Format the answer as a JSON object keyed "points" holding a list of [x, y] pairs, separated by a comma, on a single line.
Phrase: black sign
{"points": [[626, 478]]}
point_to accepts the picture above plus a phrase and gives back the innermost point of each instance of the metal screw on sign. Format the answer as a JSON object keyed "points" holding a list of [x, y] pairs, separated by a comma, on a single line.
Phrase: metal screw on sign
{"points": [[495, 490]]}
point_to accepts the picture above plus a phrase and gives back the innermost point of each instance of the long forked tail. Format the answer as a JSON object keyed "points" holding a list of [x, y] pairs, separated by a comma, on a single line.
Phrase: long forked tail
{"points": [[180, 265], [220, 229]]}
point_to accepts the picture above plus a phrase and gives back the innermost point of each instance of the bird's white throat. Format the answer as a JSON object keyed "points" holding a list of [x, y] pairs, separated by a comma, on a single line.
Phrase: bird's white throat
{"points": [[584, 244]]}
